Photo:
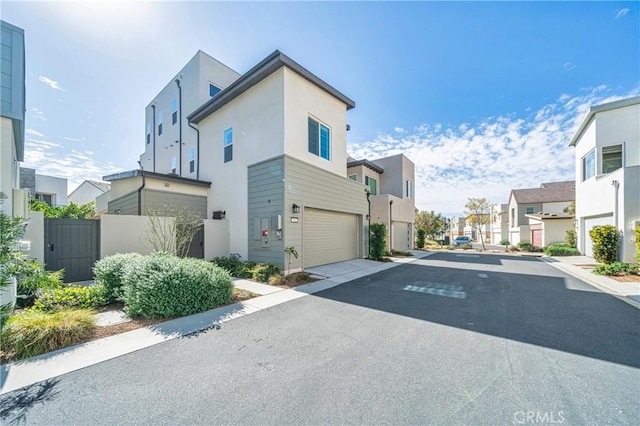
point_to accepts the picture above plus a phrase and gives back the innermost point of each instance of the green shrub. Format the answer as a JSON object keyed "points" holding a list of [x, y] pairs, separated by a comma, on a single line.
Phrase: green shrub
{"points": [[33, 333], [560, 250], [32, 276], [504, 242], [617, 268], [262, 271], [528, 247], [570, 238], [401, 253], [377, 239], [167, 286], [638, 243], [420, 241], [110, 271], [605, 240], [59, 299]]}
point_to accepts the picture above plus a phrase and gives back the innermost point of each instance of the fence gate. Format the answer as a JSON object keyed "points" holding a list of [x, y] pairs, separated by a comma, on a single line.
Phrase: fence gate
{"points": [[72, 245], [196, 249]]}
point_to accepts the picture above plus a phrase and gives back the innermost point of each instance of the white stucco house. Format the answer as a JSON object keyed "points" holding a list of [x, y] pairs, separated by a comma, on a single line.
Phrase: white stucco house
{"points": [[88, 191], [263, 152], [607, 154], [51, 190], [499, 223]]}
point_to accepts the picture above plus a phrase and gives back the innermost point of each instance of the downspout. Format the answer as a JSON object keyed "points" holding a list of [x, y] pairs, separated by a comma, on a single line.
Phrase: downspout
{"points": [[616, 186], [197, 149], [369, 228], [153, 132], [179, 126], [390, 226], [140, 189]]}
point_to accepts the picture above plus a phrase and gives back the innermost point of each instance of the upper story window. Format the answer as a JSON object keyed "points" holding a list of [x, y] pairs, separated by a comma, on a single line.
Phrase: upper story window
{"points": [[513, 216], [159, 123], [408, 189], [228, 145], [148, 133], [589, 165], [192, 160], [174, 112], [372, 184], [214, 90], [174, 164], [319, 139], [611, 158], [353, 177], [529, 210]]}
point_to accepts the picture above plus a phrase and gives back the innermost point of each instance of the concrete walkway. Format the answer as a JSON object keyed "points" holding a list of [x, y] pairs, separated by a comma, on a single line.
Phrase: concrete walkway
{"points": [[16, 375]]}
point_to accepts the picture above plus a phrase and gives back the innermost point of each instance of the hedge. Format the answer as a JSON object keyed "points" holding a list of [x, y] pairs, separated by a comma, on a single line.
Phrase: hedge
{"points": [[110, 271], [561, 250], [605, 240], [59, 299]]}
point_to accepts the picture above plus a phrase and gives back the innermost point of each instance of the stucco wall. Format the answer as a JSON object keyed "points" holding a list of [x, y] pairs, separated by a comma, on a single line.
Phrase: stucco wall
{"points": [[8, 164], [84, 193], [124, 234], [216, 238], [52, 185], [35, 235]]}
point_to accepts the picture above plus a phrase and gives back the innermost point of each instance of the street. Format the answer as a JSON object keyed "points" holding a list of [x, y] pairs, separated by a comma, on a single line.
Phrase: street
{"points": [[456, 338]]}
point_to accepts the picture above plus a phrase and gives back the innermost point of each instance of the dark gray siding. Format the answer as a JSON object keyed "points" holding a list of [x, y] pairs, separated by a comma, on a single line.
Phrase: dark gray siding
{"points": [[265, 203], [12, 81], [156, 199], [127, 204]]}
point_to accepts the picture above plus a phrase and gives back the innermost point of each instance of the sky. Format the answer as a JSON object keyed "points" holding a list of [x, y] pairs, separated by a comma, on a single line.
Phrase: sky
{"points": [[482, 96]]}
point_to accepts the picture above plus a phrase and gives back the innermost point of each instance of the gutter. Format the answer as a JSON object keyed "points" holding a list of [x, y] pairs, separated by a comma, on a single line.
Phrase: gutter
{"points": [[153, 132], [140, 189]]}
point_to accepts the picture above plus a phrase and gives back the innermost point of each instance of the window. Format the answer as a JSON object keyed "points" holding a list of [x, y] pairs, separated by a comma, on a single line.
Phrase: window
{"points": [[173, 164], [159, 123], [148, 133], [408, 189], [513, 217], [174, 112], [319, 139], [213, 90], [372, 184], [611, 158], [192, 160], [589, 165], [529, 210], [353, 177], [228, 145]]}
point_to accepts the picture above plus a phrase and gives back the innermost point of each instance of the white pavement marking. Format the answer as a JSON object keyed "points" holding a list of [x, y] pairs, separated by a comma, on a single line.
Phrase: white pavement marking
{"points": [[483, 275], [467, 255], [439, 290]]}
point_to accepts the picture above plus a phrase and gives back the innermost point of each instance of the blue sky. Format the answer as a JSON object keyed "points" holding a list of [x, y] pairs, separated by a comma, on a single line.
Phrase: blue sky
{"points": [[482, 96]]}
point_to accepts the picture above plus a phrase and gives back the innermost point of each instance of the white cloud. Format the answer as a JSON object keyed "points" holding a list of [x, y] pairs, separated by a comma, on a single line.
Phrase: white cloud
{"points": [[51, 83], [621, 12], [34, 133], [399, 130], [36, 113], [74, 139], [568, 66], [489, 158]]}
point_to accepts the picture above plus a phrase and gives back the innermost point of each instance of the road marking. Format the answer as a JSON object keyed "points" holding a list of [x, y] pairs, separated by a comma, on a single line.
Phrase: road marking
{"points": [[467, 255], [438, 290], [483, 275]]}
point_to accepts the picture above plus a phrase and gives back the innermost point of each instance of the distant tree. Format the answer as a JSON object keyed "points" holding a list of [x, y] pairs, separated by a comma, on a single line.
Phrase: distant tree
{"points": [[430, 222], [478, 211], [72, 210]]}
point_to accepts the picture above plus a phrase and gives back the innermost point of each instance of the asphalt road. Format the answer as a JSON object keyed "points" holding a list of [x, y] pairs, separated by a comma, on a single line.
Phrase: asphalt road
{"points": [[456, 338]]}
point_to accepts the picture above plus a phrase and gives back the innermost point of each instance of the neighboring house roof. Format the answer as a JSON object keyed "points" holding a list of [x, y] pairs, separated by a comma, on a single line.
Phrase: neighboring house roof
{"points": [[550, 216], [600, 108], [171, 178], [102, 186], [365, 163], [547, 193], [258, 73]]}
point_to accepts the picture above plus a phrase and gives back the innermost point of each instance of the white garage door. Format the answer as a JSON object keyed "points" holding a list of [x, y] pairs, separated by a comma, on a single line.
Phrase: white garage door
{"points": [[401, 236], [590, 223], [329, 237]]}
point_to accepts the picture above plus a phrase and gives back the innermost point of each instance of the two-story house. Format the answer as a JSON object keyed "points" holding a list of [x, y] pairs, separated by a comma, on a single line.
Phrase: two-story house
{"points": [[12, 114], [499, 223], [390, 182], [607, 154], [51, 190], [552, 198], [267, 154]]}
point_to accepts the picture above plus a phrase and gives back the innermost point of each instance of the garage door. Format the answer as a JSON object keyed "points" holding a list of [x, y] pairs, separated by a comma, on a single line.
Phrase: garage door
{"points": [[590, 223], [401, 236], [329, 237], [536, 237]]}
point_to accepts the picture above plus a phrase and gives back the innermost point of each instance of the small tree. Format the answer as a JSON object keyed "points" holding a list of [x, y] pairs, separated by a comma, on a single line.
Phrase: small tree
{"points": [[377, 240], [570, 238], [430, 222], [478, 214], [171, 229], [605, 240], [420, 241]]}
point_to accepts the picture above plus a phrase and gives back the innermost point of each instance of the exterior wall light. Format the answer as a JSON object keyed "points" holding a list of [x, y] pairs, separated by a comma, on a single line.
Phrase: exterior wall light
{"points": [[296, 208]]}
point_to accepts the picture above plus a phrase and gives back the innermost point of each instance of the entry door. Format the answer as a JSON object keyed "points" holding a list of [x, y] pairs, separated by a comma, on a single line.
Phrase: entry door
{"points": [[72, 245]]}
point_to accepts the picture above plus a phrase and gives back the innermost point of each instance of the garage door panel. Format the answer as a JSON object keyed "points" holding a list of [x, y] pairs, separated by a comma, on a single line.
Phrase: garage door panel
{"points": [[329, 237], [589, 223], [401, 236]]}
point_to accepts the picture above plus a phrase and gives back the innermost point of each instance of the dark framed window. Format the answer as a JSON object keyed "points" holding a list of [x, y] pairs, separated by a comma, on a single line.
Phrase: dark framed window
{"points": [[319, 139], [213, 90], [148, 133], [192, 160], [228, 145], [159, 123], [611, 158], [174, 112]]}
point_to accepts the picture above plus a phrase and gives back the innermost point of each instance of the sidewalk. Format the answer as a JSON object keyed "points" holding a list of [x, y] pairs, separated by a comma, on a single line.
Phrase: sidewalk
{"points": [[628, 292], [18, 374]]}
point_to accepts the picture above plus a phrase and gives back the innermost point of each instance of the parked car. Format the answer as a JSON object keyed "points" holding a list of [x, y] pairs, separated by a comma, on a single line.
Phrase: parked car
{"points": [[463, 239]]}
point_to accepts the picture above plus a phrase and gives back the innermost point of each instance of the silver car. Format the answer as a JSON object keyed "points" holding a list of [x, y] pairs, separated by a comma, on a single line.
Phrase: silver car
{"points": [[463, 239]]}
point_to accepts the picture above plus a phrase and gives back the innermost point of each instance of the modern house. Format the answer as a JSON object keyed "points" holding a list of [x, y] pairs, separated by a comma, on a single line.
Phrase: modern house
{"points": [[607, 153], [12, 114], [551, 198], [266, 153], [51, 190], [390, 182], [458, 223], [472, 230], [499, 223], [88, 191]]}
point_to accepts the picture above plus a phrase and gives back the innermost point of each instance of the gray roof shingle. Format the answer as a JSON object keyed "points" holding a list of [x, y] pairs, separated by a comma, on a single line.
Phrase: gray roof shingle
{"points": [[549, 192]]}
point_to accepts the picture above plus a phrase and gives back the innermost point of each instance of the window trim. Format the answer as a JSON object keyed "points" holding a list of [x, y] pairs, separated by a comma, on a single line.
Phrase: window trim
{"points": [[319, 141], [227, 144], [192, 160], [174, 111], [408, 188], [584, 165], [602, 148], [355, 177], [526, 210], [367, 180], [160, 119]]}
